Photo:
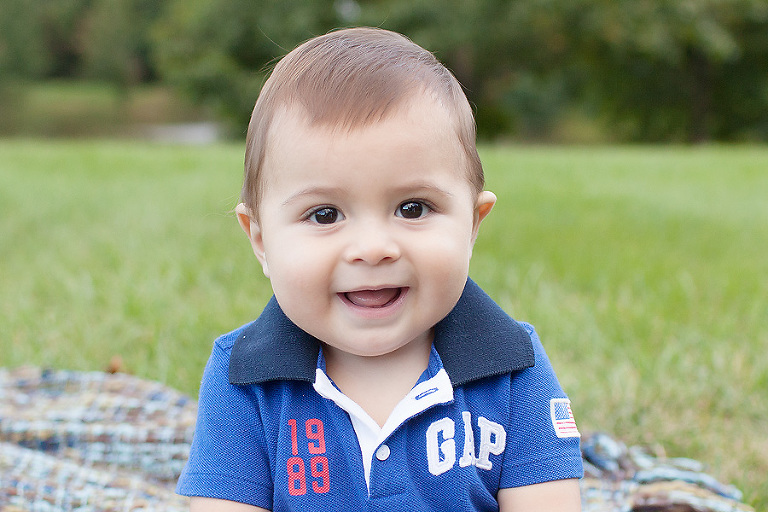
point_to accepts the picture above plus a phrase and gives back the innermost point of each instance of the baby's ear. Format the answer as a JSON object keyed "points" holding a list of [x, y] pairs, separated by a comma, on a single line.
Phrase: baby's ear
{"points": [[253, 232], [483, 206]]}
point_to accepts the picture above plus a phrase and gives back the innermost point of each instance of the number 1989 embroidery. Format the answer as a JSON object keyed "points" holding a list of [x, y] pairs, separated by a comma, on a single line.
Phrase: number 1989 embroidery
{"points": [[318, 463]]}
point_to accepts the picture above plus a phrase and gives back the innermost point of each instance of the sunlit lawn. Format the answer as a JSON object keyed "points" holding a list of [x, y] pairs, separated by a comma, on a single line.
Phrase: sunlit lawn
{"points": [[644, 270]]}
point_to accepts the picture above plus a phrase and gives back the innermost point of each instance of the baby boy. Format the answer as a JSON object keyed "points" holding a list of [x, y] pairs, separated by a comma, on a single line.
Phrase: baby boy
{"points": [[379, 377]]}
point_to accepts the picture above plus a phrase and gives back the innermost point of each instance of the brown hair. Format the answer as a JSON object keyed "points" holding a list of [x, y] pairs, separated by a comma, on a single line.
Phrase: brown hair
{"points": [[351, 78]]}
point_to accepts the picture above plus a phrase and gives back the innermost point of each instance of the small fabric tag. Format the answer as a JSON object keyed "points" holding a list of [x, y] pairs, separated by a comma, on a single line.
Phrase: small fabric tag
{"points": [[562, 418]]}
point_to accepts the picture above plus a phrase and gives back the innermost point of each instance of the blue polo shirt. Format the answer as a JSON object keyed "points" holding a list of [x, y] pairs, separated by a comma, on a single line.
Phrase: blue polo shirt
{"points": [[487, 413]]}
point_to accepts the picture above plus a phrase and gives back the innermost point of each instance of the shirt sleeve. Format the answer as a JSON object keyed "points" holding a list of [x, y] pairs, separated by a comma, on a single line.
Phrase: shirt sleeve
{"points": [[228, 458], [542, 442]]}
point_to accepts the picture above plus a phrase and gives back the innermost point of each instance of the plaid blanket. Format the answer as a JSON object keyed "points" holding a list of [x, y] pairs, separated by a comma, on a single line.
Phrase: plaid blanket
{"points": [[99, 442]]}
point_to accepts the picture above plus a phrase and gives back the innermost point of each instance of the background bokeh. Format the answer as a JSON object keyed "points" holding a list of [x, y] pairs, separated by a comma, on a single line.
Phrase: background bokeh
{"points": [[543, 70]]}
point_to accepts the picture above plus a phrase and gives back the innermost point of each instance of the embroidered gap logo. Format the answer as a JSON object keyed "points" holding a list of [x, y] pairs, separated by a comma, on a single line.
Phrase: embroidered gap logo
{"points": [[562, 418], [442, 449]]}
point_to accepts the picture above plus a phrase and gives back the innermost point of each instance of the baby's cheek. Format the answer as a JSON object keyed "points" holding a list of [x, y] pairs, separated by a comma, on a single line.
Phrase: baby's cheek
{"points": [[293, 260], [449, 252]]}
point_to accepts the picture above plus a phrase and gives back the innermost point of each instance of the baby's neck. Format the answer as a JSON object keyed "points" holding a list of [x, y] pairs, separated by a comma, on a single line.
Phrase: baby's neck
{"points": [[378, 384]]}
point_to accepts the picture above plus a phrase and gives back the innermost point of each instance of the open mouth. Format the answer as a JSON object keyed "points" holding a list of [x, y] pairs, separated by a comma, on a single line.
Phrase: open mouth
{"points": [[380, 298]]}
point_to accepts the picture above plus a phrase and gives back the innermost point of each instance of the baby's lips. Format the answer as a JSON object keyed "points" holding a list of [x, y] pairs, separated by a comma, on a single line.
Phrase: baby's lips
{"points": [[373, 298]]}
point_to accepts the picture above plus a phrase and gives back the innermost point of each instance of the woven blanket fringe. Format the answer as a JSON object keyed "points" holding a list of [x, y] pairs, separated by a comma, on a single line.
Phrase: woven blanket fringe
{"points": [[100, 442]]}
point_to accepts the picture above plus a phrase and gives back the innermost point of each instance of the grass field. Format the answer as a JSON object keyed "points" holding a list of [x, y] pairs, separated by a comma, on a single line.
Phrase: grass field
{"points": [[644, 270]]}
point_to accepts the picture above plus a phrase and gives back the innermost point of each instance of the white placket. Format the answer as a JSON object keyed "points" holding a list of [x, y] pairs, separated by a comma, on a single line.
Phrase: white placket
{"points": [[433, 391]]}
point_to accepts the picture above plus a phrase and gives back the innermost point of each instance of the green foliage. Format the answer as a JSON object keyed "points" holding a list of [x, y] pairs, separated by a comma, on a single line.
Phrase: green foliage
{"points": [[508, 55], [675, 70], [654, 70], [22, 47], [649, 70], [117, 33], [219, 51], [103, 39], [64, 108], [643, 269]]}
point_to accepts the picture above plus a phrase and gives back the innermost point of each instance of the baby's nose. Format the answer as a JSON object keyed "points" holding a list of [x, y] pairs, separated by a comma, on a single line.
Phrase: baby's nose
{"points": [[372, 244]]}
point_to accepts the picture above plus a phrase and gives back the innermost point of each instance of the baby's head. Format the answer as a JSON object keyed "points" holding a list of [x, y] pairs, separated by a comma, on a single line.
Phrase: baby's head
{"points": [[350, 79], [363, 191]]}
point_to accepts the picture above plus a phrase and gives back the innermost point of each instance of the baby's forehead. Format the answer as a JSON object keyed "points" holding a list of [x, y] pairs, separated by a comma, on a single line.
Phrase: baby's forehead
{"points": [[422, 113], [323, 152]]}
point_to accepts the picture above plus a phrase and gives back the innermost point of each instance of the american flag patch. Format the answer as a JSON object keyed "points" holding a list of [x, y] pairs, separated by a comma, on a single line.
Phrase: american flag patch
{"points": [[562, 418]]}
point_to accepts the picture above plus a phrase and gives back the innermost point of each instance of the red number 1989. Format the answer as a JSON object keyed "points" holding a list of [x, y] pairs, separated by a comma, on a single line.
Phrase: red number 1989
{"points": [[318, 464]]}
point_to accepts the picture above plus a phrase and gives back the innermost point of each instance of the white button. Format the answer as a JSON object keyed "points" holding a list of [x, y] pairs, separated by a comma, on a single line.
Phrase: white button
{"points": [[383, 452]]}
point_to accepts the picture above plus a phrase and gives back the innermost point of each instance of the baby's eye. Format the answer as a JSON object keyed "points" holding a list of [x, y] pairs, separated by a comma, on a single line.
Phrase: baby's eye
{"points": [[325, 215], [412, 210]]}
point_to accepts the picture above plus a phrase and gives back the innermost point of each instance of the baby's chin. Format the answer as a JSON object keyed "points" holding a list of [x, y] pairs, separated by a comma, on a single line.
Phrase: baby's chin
{"points": [[378, 345]]}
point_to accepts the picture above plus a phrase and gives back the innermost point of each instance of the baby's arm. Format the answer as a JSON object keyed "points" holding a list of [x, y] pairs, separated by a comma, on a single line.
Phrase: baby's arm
{"points": [[555, 496], [197, 504]]}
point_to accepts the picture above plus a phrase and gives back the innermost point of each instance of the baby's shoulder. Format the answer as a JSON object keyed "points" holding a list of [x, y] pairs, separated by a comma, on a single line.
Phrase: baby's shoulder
{"points": [[226, 341]]}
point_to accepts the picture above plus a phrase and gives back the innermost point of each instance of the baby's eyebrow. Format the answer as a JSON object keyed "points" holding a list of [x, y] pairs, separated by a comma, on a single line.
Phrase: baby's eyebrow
{"points": [[422, 187], [409, 189], [312, 191]]}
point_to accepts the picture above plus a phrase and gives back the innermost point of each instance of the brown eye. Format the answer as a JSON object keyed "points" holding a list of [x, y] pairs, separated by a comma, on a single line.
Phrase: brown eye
{"points": [[325, 215], [412, 210]]}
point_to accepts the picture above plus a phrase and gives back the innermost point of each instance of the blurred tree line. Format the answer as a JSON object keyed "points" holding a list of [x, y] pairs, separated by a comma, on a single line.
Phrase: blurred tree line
{"points": [[646, 70]]}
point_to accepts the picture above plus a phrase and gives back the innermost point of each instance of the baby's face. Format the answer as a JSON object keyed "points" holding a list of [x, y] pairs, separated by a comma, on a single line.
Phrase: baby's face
{"points": [[366, 236]]}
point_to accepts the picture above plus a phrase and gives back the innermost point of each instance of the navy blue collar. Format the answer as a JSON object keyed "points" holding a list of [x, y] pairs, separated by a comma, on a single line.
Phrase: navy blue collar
{"points": [[476, 340]]}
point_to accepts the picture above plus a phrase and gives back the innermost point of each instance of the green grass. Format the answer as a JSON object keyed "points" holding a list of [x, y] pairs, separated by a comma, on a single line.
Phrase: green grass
{"points": [[644, 270]]}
